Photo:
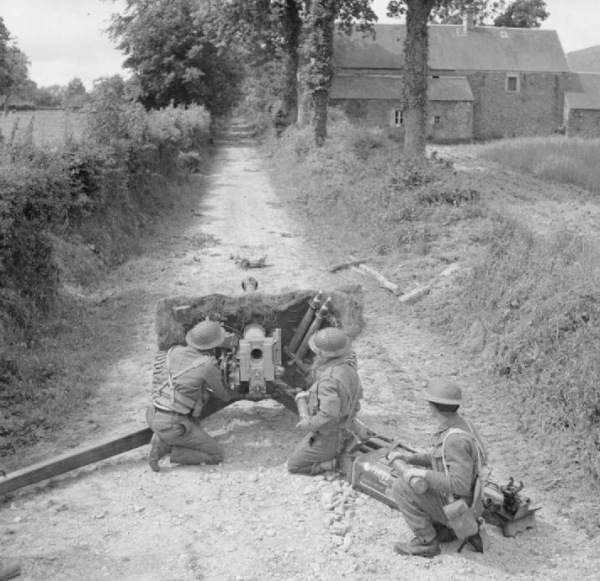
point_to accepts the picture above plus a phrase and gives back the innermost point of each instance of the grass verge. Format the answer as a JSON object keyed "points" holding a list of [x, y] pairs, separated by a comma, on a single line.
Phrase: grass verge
{"points": [[531, 301]]}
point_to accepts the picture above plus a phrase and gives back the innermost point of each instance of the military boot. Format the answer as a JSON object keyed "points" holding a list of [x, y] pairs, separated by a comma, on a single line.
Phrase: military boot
{"points": [[418, 548], [158, 450], [327, 466]]}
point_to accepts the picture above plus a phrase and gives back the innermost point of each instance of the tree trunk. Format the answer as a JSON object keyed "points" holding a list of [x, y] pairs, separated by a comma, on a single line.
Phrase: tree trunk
{"points": [[292, 24], [320, 100], [416, 56], [322, 30]]}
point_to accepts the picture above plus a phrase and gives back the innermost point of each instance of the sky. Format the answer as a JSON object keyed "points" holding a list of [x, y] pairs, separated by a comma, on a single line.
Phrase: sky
{"points": [[64, 39]]}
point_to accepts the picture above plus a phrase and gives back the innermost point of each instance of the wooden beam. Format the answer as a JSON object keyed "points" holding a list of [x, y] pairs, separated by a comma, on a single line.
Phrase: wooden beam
{"points": [[72, 460]]}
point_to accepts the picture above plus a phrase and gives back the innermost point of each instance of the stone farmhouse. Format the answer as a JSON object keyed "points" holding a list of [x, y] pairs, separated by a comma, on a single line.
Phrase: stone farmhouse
{"points": [[485, 82]]}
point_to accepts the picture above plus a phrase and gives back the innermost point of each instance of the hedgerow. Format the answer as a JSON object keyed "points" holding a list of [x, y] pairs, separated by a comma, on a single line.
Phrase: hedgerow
{"points": [[99, 193]]}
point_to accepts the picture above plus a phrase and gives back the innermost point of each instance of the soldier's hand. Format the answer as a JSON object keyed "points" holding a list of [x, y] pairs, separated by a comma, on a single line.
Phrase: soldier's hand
{"points": [[303, 425], [412, 472], [403, 456]]}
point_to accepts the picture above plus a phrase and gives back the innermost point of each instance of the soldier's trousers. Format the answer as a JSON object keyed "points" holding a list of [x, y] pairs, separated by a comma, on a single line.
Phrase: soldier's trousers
{"points": [[190, 443], [308, 454], [420, 511]]}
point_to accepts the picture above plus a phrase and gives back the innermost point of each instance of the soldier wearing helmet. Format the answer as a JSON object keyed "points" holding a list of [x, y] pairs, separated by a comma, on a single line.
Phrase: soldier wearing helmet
{"points": [[452, 470], [189, 377], [333, 401]]}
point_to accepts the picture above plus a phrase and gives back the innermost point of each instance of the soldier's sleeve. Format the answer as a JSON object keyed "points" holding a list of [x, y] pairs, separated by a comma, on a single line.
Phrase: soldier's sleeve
{"points": [[215, 383], [421, 459], [329, 404], [460, 464]]}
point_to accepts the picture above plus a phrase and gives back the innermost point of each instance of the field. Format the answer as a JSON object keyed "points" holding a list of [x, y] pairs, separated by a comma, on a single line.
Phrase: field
{"points": [[50, 128]]}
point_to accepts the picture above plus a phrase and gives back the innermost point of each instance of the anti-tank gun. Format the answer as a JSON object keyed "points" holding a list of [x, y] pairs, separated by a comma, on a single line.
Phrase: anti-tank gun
{"points": [[251, 363]]}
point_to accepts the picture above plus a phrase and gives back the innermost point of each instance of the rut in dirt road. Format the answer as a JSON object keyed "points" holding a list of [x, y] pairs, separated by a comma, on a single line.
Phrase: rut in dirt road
{"points": [[248, 519]]}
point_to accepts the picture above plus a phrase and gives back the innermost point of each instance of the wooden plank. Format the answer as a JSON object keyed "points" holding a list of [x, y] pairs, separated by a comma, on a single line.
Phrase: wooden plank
{"points": [[72, 460]]}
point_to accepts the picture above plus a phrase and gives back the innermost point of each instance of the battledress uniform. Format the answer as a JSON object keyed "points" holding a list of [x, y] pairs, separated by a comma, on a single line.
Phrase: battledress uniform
{"points": [[187, 380], [424, 513], [334, 400]]}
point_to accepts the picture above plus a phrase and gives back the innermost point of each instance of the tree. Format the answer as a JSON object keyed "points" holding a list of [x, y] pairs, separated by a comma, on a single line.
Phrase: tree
{"points": [[167, 48], [13, 66], [75, 94], [523, 14], [324, 18], [416, 56], [268, 31]]}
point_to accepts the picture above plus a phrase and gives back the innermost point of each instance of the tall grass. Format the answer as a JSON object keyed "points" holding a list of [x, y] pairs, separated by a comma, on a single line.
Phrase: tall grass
{"points": [[534, 302], [360, 180], [563, 159]]}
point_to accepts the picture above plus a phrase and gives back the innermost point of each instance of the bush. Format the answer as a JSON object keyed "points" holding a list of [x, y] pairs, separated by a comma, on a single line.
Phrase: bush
{"points": [[361, 177], [99, 192]]}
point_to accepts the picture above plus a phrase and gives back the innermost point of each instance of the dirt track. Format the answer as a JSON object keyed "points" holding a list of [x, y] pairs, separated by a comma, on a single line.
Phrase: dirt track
{"points": [[248, 519]]}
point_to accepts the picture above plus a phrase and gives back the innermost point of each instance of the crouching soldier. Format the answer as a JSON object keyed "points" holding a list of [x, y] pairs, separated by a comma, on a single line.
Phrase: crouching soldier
{"points": [[333, 401], [189, 377], [452, 471]]}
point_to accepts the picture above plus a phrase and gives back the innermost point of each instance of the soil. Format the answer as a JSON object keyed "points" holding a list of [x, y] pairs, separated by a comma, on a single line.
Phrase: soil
{"points": [[248, 519]]}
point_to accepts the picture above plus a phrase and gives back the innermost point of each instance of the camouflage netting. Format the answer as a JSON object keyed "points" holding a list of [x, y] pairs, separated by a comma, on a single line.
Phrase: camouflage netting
{"points": [[176, 316]]}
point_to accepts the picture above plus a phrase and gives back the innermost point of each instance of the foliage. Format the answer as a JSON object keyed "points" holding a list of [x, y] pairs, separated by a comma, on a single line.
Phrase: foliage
{"points": [[166, 46], [61, 208], [358, 177], [523, 14], [13, 65]]}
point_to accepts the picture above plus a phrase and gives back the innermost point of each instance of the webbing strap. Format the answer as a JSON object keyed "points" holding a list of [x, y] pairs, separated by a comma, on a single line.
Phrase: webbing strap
{"points": [[481, 458], [186, 400], [353, 400]]}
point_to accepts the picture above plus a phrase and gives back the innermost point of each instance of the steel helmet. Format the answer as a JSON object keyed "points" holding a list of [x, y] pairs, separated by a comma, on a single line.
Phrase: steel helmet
{"points": [[205, 335], [443, 391], [330, 342]]}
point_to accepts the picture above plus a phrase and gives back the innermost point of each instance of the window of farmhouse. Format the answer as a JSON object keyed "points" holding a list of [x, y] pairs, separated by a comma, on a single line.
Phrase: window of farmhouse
{"points": [[512, 83], [398, 117]]}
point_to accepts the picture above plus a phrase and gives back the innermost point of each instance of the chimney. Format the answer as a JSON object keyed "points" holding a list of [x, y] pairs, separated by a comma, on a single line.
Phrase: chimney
{"points": [[468, 20]]}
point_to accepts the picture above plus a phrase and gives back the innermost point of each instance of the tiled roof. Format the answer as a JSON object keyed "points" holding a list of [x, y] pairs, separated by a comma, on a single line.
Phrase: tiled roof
{"points": [[589, 98], [389, 87], [452, 48]]}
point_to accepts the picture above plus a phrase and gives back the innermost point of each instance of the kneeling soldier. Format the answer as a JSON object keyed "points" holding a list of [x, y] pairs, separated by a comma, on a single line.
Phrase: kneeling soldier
{"points": [[452, 472], [333, 401], [188, 379]]}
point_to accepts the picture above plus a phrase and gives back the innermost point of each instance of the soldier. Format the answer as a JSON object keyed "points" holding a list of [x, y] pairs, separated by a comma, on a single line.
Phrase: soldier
{"points": [[451, 469], [189, 377], [333, 401]]}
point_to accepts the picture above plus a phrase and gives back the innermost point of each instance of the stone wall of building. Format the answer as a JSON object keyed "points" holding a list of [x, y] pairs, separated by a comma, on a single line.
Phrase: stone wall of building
{"points": [[448, 121], [534, 108], [583, 123]]}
